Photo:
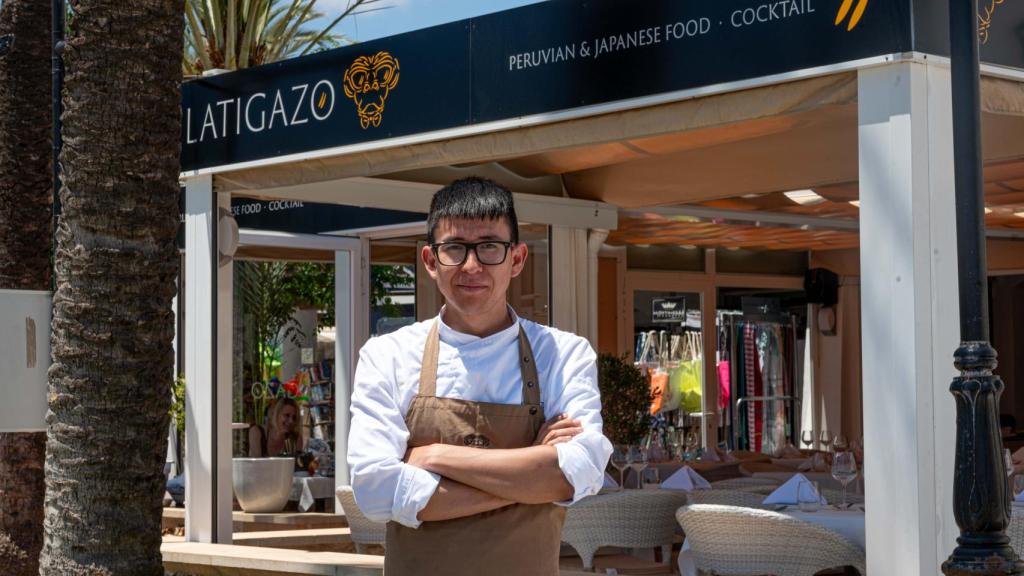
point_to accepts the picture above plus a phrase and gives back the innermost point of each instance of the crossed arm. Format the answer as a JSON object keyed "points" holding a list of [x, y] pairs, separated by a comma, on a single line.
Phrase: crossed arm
{"points": [[475, 480]]}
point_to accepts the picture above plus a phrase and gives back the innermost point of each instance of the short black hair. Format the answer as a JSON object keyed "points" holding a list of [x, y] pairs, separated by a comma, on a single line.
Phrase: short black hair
{"points": [[473, 198]]}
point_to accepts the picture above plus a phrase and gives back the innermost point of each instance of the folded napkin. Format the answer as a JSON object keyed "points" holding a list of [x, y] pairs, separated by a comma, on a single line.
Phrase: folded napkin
{"points": [[786, 494], [609, 482], [687, 479]]}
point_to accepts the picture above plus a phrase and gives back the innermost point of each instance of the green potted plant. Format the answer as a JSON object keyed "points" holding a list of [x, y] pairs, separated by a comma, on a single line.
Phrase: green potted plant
{"points": [[625, 399]]}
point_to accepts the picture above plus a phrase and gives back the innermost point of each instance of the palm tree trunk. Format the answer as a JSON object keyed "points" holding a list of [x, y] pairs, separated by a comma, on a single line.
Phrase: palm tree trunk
{"points": [[25, 186], [116, 262], [25, 192]]}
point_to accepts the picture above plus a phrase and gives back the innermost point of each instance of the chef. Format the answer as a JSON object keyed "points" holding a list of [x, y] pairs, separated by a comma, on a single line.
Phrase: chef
{"points": [[472, 431]]}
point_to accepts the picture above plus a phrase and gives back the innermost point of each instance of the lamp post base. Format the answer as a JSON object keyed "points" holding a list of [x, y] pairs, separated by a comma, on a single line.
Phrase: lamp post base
{"points": [[983, 554], [981, 495]]}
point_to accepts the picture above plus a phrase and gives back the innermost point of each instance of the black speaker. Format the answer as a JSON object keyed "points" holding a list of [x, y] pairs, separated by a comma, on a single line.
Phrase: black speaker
{"points": [[821, 286]]}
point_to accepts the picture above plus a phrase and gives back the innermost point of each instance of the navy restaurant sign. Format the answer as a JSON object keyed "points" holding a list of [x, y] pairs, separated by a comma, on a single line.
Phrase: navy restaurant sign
{"points": [[548, 57], [305, 217]]}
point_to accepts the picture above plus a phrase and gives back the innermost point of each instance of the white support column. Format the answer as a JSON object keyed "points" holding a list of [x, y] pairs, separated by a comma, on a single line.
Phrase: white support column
{"points": [[594, 242], [569, 279], [208, 293], [709, 343], [351, 313], [909, 311]]}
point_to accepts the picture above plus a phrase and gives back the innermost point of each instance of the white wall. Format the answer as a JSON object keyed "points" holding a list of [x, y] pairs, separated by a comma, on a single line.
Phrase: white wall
{"points": [[24, 359]]}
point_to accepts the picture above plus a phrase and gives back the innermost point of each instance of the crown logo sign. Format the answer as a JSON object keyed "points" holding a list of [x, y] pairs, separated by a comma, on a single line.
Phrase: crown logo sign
{"points": [[368, 81]]}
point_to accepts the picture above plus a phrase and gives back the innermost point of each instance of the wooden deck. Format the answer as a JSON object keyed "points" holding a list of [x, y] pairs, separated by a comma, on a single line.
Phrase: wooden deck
{"points": [[249, 522], [230, 560]]}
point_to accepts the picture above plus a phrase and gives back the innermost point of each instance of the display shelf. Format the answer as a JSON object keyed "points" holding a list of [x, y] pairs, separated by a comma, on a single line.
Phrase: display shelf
{"points": [[317, 378]]}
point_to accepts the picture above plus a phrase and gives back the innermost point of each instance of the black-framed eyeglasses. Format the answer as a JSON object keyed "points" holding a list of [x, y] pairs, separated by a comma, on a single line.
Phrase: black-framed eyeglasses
{"points": [[489, 252]]}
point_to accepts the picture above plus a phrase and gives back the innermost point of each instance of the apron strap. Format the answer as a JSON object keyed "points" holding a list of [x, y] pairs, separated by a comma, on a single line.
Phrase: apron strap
{"points": [[528, 370], [428, 370], [527, 366]]}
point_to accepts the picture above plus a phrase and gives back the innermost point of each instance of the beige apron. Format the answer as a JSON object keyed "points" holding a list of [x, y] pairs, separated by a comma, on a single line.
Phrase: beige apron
{"points": [[515, 540]]}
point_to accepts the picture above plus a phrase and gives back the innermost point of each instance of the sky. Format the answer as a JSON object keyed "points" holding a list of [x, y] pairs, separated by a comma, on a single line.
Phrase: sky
{"points": [[405, 15]]}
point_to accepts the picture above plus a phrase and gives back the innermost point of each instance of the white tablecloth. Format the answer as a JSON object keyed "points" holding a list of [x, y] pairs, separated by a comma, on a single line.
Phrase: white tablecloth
{"points": [[307, 489], [846, 523]]}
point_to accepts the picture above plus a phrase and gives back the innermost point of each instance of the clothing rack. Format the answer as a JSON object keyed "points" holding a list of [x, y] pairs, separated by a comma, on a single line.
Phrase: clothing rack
{"points": [[758, 378]]}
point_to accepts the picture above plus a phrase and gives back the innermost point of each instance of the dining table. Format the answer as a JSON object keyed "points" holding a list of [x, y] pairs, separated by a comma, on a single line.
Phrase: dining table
{"points": [[710, 471], [306, 490]]}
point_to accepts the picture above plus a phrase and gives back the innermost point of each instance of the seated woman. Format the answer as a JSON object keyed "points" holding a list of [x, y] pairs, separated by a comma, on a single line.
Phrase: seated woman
{"points": [[281, 436]]}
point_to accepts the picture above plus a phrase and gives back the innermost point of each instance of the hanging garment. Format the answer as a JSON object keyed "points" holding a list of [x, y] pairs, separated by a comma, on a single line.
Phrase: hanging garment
{"points": [[750, 368], [723, 385]]}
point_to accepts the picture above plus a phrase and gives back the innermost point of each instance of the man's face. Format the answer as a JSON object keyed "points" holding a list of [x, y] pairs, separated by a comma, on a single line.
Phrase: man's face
{"points": [[473, 288]]}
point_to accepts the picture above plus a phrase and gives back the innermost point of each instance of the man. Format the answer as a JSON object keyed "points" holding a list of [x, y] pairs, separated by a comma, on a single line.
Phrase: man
{"points": [[471, 431]]}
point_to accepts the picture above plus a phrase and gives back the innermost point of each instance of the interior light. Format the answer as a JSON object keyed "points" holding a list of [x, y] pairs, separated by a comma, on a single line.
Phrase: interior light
{"points": [[988, 210], [804, 197], [855, 203], [642, 245], [1019, 214], [688, 246]]}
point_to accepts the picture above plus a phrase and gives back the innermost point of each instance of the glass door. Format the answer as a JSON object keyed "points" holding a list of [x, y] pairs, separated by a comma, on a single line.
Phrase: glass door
{"points": [[666, 317]]}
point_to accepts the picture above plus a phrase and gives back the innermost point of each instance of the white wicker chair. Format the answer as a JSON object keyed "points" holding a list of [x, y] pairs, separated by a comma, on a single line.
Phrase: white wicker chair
{"points": [[727, 498], [731, 541], [364, 530], [748, 484], [628, 519]]}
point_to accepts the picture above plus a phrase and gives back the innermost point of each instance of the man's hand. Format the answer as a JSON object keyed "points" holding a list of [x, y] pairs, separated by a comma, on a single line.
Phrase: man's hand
{"points": [[557, 430]]}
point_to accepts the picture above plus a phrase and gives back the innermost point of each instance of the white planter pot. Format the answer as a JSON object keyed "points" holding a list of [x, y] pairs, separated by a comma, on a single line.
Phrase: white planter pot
{"points": [[262, 484]]}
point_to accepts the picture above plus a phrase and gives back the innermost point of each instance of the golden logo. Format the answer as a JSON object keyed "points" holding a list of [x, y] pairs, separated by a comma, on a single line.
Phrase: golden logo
{"points": [[844, 10], [985, 19], [368, 81]]}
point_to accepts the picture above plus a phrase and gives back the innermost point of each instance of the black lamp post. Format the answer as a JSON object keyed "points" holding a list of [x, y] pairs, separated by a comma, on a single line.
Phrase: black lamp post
{"points": [[981, 502]]}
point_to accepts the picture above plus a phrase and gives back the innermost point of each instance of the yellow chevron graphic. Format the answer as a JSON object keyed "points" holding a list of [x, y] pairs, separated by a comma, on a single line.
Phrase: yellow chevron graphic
{"points": [[844, 10]]}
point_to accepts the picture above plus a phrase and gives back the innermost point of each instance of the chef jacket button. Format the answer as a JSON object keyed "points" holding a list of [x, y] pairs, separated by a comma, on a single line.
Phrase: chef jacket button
{"points": [[529, 384], [533, 410], [526, 359]]}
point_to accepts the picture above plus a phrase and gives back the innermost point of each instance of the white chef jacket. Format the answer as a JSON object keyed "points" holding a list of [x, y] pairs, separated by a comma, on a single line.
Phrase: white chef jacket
{"points": [[475, 369]]}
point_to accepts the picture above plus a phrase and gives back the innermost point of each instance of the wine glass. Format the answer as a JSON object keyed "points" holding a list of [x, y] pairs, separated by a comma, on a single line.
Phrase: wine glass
{"points": [[620, 461], [651, 478], [840, 443], [691, 444], [807, 437], [807, 496], [1018, 485], [826, 439], [637, 461], [844, 470], [674, 443]]}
